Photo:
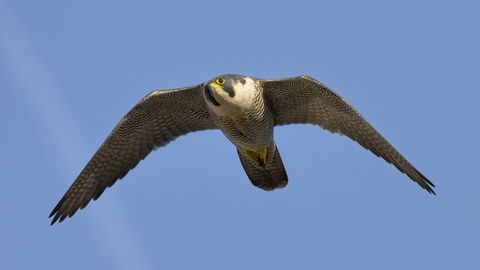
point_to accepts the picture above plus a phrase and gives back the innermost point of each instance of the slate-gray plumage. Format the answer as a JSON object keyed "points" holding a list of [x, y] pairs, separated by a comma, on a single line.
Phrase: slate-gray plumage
{"points": [[246, 110]]}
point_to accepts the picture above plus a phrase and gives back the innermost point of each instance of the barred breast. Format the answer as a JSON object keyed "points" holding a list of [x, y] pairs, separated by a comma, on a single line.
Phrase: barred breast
{"points": [[251, 130]]}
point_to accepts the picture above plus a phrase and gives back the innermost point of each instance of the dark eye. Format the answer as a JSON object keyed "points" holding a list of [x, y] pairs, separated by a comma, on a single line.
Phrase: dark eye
{"points": [[220, 81]]}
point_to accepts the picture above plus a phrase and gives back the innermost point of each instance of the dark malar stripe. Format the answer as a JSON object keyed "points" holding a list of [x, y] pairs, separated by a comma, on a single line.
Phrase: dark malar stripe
{"points": [[230, 91], [210, 98]]}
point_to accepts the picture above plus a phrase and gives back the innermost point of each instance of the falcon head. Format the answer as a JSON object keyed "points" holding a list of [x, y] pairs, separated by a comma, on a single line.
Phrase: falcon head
{"points": [[230, 93]]}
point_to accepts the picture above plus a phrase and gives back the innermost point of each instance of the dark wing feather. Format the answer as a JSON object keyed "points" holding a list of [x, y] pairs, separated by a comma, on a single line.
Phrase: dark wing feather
{"points": [[156, 120], [303, 100]]}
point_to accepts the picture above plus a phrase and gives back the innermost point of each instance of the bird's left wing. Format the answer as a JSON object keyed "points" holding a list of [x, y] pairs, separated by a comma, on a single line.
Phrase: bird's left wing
{"points": [[303, 100], [159, 118]]}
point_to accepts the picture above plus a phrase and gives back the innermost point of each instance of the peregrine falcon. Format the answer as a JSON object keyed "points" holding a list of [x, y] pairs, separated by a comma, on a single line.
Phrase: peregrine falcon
{"points": [[246, 110]]}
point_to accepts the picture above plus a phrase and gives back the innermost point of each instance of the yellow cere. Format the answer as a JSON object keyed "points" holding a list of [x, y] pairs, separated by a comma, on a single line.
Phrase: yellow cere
{"points": [[218, 83]]}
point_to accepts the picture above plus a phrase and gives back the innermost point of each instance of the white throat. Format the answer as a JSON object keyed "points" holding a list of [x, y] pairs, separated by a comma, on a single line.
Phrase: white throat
{"points": [[240, 103]]}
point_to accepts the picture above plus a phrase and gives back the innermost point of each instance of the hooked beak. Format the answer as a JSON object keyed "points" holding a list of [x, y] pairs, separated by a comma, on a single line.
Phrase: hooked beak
{"points": [[210, 90], [214, 87]]}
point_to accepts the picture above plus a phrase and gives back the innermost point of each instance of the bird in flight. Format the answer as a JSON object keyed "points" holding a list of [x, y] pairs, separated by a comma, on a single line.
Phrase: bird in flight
{"points": [[246, 110]]}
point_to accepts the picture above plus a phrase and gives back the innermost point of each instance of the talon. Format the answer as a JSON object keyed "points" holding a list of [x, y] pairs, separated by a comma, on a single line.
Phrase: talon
{"points": [[263, 155], [259, 158]]}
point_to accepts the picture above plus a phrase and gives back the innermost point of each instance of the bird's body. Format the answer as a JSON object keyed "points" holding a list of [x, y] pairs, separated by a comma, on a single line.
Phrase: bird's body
{"points": [[246, 110], [247, 122]]}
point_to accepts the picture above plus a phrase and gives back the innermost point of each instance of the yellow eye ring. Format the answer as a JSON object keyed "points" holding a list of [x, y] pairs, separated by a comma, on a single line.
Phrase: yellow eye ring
{"points": [[220, 81]]}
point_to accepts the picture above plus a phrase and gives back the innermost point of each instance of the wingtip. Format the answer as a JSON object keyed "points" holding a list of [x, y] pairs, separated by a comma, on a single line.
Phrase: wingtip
{"points": [[54, 219], [54, 213], [427, 185]]}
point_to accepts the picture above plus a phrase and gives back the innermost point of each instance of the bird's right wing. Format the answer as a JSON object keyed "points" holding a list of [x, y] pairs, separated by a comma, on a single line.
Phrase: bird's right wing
{"points": [[303, 100], [159, 118]]}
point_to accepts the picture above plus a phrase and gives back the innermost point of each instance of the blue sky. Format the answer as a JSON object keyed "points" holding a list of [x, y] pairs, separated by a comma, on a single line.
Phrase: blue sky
{"points": [[70, 71]]}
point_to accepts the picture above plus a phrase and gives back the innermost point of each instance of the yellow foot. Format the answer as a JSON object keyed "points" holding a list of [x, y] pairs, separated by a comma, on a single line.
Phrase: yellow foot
{"points": [[259, 158]]}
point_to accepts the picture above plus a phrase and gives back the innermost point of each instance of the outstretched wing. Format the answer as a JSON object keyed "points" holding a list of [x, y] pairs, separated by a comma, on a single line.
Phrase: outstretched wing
{"points": [[303, 100], [159, 118]]}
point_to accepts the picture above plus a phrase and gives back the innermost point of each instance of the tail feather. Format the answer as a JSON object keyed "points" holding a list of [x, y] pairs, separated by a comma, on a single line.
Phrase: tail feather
{"points": [[269, 176]]}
